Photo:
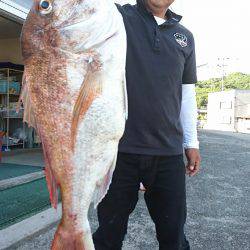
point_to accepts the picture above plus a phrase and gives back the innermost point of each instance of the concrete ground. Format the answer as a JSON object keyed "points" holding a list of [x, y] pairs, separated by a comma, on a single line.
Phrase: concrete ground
{"points": [[218, 201]]}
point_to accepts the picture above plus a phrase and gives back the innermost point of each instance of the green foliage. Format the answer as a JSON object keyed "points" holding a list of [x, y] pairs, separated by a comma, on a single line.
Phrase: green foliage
{"points": [[232, 81], [237, 81]]}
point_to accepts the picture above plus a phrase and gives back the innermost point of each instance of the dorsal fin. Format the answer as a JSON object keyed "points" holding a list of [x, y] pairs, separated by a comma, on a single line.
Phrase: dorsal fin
{"points": [[24, 98]]}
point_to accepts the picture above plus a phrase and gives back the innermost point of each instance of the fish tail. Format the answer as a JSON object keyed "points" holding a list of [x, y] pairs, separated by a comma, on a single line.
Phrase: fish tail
{"points": [[73, 232], [70, 240]]}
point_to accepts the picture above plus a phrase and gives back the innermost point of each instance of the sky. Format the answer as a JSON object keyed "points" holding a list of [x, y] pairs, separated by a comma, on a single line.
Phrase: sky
{"points": [[221, 30]]}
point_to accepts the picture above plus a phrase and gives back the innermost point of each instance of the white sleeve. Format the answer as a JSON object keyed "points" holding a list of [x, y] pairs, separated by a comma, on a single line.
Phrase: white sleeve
{"points": [[188, 116]]}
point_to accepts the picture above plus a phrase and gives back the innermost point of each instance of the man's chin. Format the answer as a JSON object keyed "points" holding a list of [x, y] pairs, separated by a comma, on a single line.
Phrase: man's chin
{"points": [[159, 4]]}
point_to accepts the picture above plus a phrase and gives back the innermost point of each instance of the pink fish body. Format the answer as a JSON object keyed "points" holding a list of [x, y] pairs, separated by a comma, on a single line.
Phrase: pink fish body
{"points": [[74, 95]]}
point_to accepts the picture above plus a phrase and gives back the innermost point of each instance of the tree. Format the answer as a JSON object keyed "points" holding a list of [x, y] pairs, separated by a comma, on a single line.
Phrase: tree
{"points": [[232, 81]]}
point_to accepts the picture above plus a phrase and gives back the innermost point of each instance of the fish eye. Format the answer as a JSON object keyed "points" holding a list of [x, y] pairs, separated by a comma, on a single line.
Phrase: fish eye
{"points": [[45, 7]]}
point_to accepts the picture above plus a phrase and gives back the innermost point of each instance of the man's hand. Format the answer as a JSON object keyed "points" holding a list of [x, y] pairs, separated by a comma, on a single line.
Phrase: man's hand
{"points": [[193, 161]]}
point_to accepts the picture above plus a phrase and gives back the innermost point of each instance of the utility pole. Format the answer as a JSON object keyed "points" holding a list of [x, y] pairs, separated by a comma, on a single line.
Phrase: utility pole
{"points": [[221, 64]]}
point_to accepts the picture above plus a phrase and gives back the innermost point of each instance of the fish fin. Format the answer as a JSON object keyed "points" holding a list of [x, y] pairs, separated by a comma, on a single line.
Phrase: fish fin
{"points": [[89, 90], [24, 98], [29, 118], [52, 186], [103, 186]]}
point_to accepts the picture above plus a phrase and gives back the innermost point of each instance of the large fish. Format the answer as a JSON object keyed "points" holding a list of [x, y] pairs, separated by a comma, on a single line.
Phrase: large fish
{"points": [[74, 95]]}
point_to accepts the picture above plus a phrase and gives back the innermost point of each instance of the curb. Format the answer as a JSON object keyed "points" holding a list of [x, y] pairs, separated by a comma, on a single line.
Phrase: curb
{"points": [[22, 231], [21, 151], [13, 182]]}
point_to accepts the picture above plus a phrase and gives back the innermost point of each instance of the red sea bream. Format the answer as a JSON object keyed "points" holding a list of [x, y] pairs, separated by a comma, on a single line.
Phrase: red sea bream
{"points": [[74, 95]]}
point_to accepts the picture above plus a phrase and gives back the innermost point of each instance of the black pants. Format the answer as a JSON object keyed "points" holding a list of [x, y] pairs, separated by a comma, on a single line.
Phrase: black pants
{"points": [[164, 179]]}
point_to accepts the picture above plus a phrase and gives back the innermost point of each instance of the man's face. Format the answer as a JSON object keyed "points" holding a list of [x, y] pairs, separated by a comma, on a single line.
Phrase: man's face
{"points": [[160, 3]]}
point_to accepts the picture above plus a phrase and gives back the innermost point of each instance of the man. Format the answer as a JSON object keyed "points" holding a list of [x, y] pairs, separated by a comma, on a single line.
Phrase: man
{"points": [[161, 73]]}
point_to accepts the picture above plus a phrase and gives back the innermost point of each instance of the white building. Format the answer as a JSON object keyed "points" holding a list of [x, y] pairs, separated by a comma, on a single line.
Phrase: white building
{"points": [[229, 111]]}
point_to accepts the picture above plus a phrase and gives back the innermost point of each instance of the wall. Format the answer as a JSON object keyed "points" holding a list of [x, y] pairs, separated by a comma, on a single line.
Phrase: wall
{"points": [[10, 51], [242, 104], [220, 111], [243, 125]]}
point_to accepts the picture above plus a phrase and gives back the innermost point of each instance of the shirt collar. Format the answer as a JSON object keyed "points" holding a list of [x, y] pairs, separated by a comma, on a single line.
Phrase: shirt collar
{"points": [[172, 18]]}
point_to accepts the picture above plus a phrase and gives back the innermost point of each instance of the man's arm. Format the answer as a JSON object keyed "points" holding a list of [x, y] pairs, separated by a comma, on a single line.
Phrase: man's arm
{"points": [[189, 111], [188, 117]]}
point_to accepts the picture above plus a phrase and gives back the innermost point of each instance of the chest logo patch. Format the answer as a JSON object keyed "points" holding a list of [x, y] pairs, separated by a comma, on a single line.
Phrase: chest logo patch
{"points": [[181, 39]]}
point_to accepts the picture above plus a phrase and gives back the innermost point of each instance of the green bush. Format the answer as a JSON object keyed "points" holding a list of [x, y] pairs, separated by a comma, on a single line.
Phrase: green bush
{"points": [[232, 81]]}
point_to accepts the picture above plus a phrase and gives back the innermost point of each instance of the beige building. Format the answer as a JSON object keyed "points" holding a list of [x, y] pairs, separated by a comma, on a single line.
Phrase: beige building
{"points": [[229, 111], [12, 16]]}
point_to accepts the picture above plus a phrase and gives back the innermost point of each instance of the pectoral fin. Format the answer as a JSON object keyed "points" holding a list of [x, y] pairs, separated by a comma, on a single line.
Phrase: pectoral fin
{"points": [[89, 90]]}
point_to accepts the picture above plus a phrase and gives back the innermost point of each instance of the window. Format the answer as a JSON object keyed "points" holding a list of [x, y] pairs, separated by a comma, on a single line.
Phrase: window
{"points": [[226, 105], [226, 119]]}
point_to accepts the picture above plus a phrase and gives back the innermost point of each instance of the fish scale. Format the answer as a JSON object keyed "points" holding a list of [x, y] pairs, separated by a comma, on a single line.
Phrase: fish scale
{"points": [[74, 95]]}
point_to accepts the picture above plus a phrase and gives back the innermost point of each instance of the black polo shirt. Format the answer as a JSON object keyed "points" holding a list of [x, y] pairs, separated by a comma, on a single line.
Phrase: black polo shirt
{"points": [[160, 58]]}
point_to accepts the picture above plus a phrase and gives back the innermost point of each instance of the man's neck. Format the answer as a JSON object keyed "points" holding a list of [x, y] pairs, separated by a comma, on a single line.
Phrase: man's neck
{"points": [[156, 11]]}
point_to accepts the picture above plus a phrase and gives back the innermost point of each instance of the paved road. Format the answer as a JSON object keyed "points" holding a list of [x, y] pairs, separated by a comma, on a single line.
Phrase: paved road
{"points": [[218, 201]]}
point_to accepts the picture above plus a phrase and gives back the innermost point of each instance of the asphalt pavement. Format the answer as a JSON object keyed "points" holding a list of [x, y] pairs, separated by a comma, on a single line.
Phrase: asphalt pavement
{"points": [[218, 201]]}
